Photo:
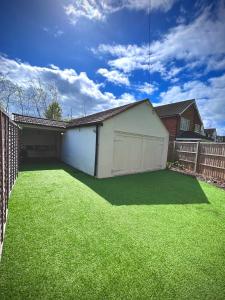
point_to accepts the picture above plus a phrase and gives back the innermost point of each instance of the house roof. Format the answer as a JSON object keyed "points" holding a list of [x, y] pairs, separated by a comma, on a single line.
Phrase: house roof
{"points": [[38, 121], [192, 135], [98, 118], [173, 109]]}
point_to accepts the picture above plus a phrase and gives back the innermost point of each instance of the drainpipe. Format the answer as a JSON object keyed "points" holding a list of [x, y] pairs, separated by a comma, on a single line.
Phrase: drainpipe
{"points": [[96, 151]]}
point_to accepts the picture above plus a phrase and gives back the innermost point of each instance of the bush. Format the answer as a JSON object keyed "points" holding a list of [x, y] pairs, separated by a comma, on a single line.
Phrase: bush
{"points": [[175, 164]]}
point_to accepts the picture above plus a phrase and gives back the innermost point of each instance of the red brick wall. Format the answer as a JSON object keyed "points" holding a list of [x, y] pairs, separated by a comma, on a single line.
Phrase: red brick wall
{"points": [[192, 115], [171, 125]]}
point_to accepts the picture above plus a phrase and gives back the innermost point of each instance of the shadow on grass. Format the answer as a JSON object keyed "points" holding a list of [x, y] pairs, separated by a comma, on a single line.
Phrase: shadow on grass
{"points": [[41, 165], [150, 188]]}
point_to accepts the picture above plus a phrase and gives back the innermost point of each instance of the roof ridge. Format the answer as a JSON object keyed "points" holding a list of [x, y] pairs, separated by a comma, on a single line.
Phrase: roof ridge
{"points": [[104, 115]]}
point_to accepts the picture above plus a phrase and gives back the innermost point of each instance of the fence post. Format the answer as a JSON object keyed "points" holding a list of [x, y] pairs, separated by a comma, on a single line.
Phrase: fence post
{"points": [[174, 150], [197, 157], [1, 183]]}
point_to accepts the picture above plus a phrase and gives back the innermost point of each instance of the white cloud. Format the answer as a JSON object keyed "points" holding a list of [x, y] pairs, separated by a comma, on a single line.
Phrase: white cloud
{"points": [[199, 43], [209, 96], [76, 90], [146, 5], [99, 9], [114, 76], [86, 8], [147, 88], [127, 57], [127, 98]]}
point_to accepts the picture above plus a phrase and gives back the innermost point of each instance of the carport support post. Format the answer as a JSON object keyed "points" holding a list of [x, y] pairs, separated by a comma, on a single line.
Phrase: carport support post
{"points": [[96, 151]]}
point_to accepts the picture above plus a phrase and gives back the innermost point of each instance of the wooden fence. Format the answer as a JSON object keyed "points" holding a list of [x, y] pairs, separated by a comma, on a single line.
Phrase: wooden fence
{"points": [[9, 133], [204, 158]]}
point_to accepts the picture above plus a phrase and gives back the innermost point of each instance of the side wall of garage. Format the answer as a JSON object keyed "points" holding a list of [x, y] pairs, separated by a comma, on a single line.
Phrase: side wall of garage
{"points": [[133, 141], [78, 148]]}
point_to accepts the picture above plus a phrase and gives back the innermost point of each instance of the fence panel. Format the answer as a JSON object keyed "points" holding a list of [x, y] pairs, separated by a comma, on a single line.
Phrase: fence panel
{"points": [[204, 158], [8, 165]]}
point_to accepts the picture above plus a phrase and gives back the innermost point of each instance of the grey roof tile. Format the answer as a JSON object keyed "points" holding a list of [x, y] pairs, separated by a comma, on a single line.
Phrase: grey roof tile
{"points": [[102, 116], [38, 121], [93, 119]]}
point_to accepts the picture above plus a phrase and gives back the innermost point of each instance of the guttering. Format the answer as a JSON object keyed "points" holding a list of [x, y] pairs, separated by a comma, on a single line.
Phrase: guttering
{"points": [[84, 125], [96, 150], [36, 126], [168, 116]]}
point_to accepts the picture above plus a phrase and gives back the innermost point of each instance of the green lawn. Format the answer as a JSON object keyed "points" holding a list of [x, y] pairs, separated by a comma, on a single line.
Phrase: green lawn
{"points": [[158, 235]]}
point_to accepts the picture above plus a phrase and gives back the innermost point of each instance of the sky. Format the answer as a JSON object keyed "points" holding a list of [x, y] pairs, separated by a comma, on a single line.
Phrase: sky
{"points": [[105, 53]]}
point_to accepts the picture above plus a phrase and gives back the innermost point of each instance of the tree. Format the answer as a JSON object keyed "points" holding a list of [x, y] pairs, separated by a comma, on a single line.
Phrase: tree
{"points": [[53, 111], [7, 92], [32, 97], [38, 94]]}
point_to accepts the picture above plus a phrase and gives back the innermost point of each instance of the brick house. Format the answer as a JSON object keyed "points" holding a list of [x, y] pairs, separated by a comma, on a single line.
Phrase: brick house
{"points": [[211, 133], [182, 120], [220, 139]]}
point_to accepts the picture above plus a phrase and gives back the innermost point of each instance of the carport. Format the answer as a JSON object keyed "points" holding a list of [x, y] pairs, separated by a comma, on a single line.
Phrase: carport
{"points": [[40, 138]]}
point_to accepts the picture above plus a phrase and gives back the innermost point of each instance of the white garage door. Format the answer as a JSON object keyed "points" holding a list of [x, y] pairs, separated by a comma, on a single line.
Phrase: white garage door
{"points": [[136, 153]]}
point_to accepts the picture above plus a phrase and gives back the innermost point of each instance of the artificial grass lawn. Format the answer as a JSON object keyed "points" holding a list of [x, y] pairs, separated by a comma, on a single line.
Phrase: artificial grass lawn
{"points": [[158, 235]]}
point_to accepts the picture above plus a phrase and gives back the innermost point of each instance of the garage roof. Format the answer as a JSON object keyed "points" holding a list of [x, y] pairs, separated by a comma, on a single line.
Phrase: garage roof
{"points": [[98, 118], [93, 119]]}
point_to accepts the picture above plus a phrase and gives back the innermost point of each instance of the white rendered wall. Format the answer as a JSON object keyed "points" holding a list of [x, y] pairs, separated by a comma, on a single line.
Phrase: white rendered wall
{"points": [[140, 120], [78, 148]]}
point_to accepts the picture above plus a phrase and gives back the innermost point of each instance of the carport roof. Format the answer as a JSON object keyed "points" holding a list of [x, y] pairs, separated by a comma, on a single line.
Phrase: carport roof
{"points": [[21, 119]]}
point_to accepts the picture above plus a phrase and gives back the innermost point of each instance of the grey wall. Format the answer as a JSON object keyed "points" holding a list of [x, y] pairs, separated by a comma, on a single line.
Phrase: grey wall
{"points": [[40, 143]]}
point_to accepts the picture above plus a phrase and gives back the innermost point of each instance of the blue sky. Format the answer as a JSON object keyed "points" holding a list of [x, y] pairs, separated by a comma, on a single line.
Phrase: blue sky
{"points": [[97, 52]]}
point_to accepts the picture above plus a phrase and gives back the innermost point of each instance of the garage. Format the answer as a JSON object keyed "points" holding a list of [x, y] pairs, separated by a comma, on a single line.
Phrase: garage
{"points": [[136, 153], [123, 140]]}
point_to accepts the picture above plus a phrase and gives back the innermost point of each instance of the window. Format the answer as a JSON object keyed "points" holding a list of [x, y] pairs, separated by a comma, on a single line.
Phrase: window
{"points": [[197, 128], [184, 124]]}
